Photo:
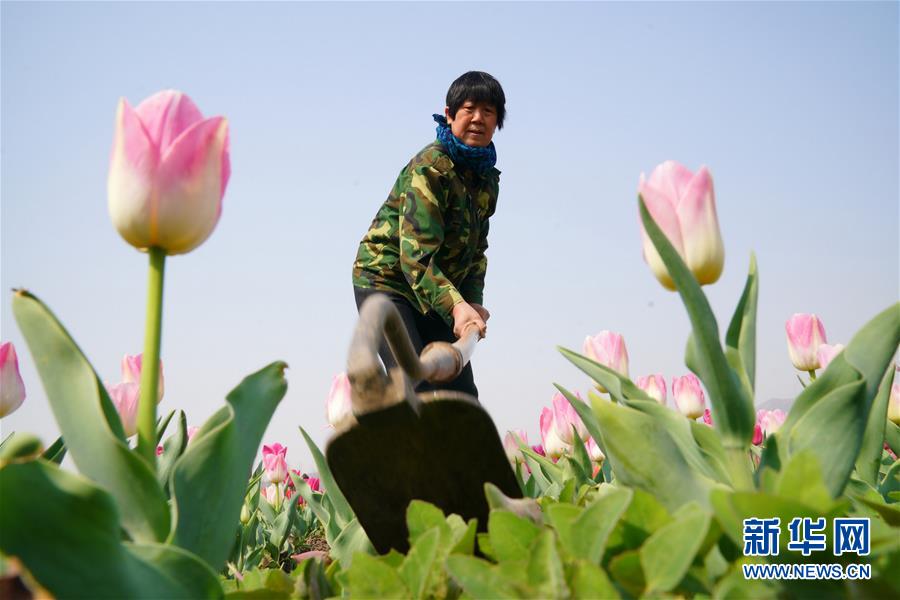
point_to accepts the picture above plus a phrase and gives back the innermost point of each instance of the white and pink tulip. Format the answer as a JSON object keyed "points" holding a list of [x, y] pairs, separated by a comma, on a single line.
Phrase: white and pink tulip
{"points": [[12, 388], [338, 405], [805, 333], [168, 172], [688, 395], [654, 386], [683, 204]]}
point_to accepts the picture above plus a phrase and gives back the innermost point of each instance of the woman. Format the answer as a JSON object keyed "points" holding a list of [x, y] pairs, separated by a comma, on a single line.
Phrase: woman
{"points": [[425, 247]]}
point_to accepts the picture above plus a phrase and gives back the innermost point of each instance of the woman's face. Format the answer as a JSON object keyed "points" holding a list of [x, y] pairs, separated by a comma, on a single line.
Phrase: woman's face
{"points": [[475, 123]]}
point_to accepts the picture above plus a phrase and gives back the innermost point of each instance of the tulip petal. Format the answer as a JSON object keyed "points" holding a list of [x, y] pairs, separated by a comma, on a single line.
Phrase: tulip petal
{"points": [[191, 180], [166, 115], [133, 165], [663, 212], [704, 251], [671, 178]]}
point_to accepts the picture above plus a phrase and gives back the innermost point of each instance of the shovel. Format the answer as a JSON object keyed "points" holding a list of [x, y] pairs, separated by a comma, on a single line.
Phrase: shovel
{"points": [[440, 446]]}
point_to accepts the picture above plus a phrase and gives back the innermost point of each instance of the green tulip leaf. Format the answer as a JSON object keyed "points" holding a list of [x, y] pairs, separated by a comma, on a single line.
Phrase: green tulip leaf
{"points": [[802, 480], [343, 512], [162, 424], [89, 422], [892, 437], [731, 406], [590, 581], [620, 387], [643, 455], [479, 578], [56, 452], [891, 481], [644, 515], [20, 447], [668, 554], [592, 528], [627, 572], [554, 473], [368, 577], [511, 536], [583, 409], [420, 563], [173, 448], [545, 569], [66, 531], [869, 458], [422, 517], [351, 542], [740, 339], [711, 449], [210, 479], [831, 414]]}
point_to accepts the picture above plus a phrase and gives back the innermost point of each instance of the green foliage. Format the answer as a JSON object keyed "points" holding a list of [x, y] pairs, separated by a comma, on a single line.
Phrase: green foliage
{"points": [[89, 422], [85, 554]]}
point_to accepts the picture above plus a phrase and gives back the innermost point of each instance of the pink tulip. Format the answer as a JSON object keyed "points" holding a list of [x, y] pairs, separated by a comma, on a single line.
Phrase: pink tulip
{"points": [[565, 417], [805, 333], [539, 449], [758, 436], [707, 417], [893, 412], [554, 446], [688, 396], [338, 405], [608, 349], [595, 452], [125, 397], [683, 204], [192, 431], [168, 172], [511, 445], [770, 420], [131, 373], [12, 388], [827, 352], [274, 462], [655, 386]]}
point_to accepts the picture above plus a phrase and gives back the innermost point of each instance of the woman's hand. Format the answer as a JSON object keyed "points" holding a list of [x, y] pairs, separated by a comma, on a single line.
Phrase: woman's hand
{"points": [[465, 314], [482, 311]]}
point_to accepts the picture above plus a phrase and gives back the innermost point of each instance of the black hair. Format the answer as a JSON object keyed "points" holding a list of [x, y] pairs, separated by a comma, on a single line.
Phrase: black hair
{"points": [[477, 86]]}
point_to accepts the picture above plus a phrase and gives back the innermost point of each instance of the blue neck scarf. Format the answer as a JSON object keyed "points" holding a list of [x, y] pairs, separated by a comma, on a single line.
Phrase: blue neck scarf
{"points": [[476, 158]]}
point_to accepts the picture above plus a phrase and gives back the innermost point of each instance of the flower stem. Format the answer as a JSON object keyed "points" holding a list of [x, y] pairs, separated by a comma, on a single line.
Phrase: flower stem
{"points": [[812, 375], [146, 425]]}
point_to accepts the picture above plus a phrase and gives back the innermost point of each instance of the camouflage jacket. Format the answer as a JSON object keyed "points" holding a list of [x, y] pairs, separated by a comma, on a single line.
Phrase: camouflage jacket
{"points": [[428, 239]]}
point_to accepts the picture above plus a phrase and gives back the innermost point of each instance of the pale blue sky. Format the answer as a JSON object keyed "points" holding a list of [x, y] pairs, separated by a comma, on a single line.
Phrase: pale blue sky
{"points": [[793, 106]]}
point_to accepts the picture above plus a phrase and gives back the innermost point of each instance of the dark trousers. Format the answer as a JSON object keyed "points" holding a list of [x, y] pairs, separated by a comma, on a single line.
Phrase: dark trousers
{"points": [[422, 329]]}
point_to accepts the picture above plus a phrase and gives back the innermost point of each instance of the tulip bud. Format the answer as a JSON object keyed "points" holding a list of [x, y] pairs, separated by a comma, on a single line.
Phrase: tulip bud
{"points": [[565, 417], [893, 412], [683, 205], [245, 514], [511, 445], [707, 417], [688, 396], [608, 349], [125, 398], [827, 352], [273, 495], [594, 451], [770, 420], [168, 172], [12, 388], [338, 405], [805, 333], [131, 373], [554, 446], [758, 436], [274, 462], [655, 386]]}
